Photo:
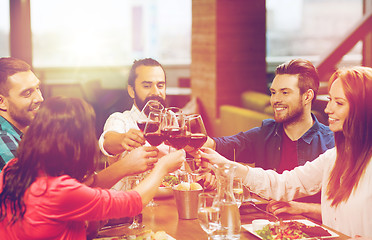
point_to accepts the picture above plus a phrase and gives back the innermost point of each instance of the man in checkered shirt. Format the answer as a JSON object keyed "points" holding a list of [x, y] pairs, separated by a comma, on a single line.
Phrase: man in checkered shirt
{"points": [[20, 98]]}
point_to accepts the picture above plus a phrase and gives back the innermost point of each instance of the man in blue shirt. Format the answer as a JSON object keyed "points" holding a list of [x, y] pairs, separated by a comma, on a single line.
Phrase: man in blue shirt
{"points": [[292, 139], [295, 136], [20, 98]]}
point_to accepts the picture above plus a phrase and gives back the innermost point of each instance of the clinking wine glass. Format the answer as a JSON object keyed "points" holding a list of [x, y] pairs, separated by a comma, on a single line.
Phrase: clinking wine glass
{"points": [[198, 135], [131, 183], [152, 131], [208, 213], [151, 106], [174, 129], [154, 136]]}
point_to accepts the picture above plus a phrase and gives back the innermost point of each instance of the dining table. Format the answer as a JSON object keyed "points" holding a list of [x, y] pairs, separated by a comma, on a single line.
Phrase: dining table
{"points": [[164, 217]]}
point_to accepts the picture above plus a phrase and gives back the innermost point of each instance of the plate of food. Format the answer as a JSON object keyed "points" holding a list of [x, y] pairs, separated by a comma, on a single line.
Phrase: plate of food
{"points": [[140, 235], [165, 189], [291, 229]]}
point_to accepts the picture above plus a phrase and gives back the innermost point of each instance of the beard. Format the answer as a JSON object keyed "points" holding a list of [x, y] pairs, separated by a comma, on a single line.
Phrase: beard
{"points": [[22, 117], [291, 116], [140, 104]]}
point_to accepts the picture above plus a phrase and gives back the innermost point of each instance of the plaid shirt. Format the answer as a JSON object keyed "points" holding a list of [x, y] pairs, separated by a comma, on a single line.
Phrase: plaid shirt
{"points": [[9, 139]]}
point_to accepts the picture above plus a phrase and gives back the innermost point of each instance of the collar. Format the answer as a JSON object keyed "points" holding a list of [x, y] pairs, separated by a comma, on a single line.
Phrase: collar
{"points": [[308, 135], [6, 126], [135, 112]]}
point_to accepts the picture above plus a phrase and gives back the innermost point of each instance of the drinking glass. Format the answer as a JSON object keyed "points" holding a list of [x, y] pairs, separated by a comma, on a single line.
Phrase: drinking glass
{"points": [[174, 130], [238, 191], [131, 183], [152, 129], [151, 106], [208, 213], [198, 136], [196, 128]]}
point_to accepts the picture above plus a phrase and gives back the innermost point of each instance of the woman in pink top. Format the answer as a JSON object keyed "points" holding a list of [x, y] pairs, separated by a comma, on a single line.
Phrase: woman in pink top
{"points": [[42, 196]]}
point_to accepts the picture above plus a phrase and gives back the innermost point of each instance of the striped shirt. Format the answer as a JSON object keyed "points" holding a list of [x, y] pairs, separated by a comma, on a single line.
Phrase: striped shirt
{"points": [[9, 139]]}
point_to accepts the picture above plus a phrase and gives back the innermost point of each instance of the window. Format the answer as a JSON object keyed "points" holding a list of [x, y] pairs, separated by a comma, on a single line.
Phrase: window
{"points": [[4, 28], [110, 33], [310, 28]]}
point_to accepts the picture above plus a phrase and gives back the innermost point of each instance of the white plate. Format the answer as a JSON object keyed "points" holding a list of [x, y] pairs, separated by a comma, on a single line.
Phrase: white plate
{"points": [[249, 228]]}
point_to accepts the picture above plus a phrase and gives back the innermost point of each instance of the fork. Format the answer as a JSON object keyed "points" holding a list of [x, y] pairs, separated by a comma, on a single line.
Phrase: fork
{"points": [[264, 211]]}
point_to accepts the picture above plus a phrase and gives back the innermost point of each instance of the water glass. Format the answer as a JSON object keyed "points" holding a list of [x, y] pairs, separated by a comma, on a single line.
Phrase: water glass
{"points": [[238, 191], [208, 213]]}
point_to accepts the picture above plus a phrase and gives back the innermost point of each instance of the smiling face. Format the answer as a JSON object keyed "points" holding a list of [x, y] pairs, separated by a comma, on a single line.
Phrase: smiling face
{"points": [[149, 85], [337, 107], [286, 99], [23, 100]]}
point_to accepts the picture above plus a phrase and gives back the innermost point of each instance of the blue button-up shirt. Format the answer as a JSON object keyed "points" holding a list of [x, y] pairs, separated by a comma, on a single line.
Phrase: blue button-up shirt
{"points": [[261, 145], [9, 139]]}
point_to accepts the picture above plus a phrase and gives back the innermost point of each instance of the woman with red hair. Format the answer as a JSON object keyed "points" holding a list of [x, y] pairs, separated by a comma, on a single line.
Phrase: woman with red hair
{"points": [[342, 174]]}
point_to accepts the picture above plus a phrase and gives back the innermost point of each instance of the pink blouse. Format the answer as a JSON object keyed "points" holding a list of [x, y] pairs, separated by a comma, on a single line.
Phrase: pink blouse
{"points": [[57, 208]]}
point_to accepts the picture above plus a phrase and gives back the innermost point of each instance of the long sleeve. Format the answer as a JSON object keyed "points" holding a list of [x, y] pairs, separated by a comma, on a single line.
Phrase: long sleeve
{"points": [[301, 181], [57, 208]]}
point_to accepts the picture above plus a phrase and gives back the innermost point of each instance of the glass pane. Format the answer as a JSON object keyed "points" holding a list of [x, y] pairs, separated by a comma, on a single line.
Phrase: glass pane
{"points": [[309, 27], [4, 28], [110, 32]]}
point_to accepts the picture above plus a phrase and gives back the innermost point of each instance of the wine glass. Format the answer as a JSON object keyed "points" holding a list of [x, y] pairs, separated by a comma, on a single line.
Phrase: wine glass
{"points": [[238, 191], [198, 135], [152, 131], [174, 130], [131, 183], [195, 126], [208, 213], [151, 106]]}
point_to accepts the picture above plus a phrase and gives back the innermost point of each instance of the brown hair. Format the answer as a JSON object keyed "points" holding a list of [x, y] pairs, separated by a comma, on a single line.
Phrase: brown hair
{"points": [[61, 140], [8, 67], [353, 144], [307, 74], [142, 62]]}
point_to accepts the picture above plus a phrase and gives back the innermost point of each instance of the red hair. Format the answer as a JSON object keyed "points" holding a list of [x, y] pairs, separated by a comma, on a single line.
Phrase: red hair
{"points": [[353, 144]]}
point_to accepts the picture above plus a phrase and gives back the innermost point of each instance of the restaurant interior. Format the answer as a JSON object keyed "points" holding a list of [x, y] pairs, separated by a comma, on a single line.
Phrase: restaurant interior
{"points": [[223, 59], [219, 56]]}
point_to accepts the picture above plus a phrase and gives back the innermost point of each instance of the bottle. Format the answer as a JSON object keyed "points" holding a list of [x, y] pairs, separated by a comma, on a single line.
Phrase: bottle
{"points": [[229, 210]]}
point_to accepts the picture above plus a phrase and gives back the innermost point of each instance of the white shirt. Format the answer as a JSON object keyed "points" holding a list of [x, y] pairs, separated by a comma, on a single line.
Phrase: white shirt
{"points": [[352, 217], [121, 123]]}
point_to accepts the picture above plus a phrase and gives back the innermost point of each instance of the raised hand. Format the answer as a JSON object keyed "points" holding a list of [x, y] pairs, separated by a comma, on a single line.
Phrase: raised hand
{"points": [[211, 156], [172, 161], [140, 160], [132, 139]]}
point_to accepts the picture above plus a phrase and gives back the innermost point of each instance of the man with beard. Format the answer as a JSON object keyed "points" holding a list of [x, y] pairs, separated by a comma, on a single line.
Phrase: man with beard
{"points": [[20, 98], [295, 136], [146, 82]]}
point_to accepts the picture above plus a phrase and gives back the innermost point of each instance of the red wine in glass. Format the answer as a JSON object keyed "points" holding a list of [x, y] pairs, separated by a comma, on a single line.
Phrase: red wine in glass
{"points": [[141, 125], [154, 138], [179, 141], [197, 140], [152, 126]]}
